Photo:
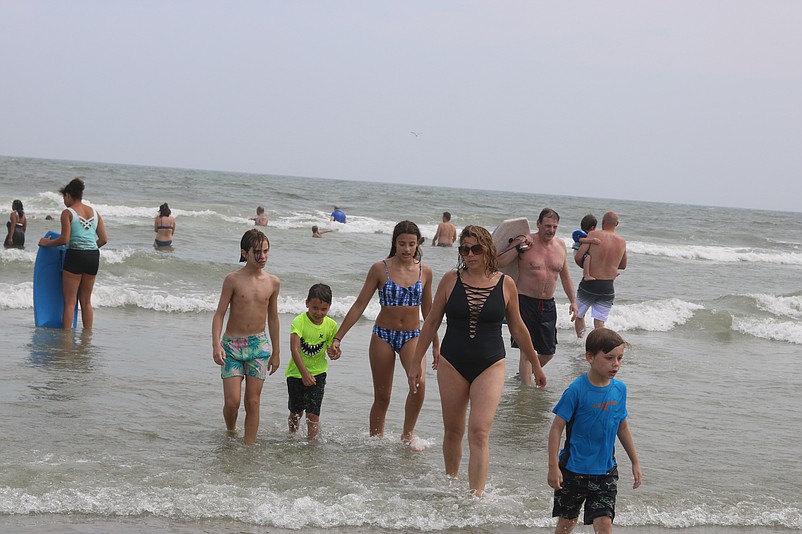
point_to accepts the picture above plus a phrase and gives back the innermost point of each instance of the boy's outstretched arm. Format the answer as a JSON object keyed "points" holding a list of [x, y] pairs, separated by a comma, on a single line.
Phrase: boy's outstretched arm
{"points": [[555, 476], [625, 437]]}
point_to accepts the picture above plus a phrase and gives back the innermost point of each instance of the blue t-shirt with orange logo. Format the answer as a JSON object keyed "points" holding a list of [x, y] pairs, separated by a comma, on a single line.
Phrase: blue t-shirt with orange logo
{"points": [[593, 415]]}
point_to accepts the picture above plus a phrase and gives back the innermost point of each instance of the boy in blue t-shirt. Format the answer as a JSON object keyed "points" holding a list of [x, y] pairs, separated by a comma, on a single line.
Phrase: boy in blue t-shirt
{"points": [[311, 336], [592, 411], [587, 225]]}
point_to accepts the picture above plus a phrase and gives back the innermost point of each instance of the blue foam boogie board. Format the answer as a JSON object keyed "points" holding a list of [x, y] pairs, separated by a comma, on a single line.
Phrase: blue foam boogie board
{"points": [[48, 298]]}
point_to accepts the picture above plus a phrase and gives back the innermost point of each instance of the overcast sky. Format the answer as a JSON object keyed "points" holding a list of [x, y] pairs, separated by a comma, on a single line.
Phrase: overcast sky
{"points": [[696, 101]]}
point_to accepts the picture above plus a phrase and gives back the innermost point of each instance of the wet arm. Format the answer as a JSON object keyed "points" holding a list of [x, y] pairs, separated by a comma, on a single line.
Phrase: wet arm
{"points": [[625, 437], [64, 238], [273, 329], [555, 476], [519, 331], [295, 352], [568, 287], [102, 238], [359, 305], [426, 308], [428, 333], [218, 354]]}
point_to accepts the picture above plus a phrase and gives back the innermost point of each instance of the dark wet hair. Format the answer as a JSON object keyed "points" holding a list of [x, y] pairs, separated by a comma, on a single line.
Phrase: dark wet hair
{"points": [[588, 221], [485, 240], [164, 210], [446, 216], [548, 212], [603, 340], [315, 228], [322, 292], [407, 227], [260, 210], [250, 240], [17, 206], [75, 189]]}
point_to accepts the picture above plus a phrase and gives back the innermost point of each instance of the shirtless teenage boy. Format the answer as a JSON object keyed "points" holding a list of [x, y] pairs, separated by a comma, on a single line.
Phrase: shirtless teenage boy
{"points": [[251, 297]]}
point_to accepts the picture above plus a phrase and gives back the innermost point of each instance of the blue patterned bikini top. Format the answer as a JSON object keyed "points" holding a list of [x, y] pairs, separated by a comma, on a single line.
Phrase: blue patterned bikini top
{"points": [[391, 294]]}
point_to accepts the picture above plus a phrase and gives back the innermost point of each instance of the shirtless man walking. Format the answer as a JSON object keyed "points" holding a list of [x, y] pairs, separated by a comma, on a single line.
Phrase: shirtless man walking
{"points": [[609, 256], [541, 260]]}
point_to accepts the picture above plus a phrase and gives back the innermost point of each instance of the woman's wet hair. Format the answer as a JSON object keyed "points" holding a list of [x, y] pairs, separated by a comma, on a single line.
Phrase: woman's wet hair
{"points": [[17, 206], [407, 227], [251, 240], [164, 210], [75, 189], [483, 239]]}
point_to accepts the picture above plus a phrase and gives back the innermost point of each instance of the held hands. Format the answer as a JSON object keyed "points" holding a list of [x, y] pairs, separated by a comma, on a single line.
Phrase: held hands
{"points": [[333, 353], [45, 242]]}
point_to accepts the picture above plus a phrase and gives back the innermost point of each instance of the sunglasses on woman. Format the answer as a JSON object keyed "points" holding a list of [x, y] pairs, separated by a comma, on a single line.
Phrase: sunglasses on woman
{"points": [[476, 249]]}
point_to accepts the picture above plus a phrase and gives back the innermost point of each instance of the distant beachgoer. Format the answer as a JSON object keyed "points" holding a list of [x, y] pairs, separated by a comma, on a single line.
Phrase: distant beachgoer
{"points": [[17, 224], [317, 232], [541, 261], [82, 228], [404, 284], [594, 410], [261, 217], [164, 226], [49, 218], [609, 256], [476, 298], [338, 215], [588, 224], [446, 232], [250, 295], [311, 336]]}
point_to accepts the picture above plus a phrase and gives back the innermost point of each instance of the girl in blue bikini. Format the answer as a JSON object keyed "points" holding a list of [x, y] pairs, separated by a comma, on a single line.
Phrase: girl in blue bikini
{"points": [[404, 284]]}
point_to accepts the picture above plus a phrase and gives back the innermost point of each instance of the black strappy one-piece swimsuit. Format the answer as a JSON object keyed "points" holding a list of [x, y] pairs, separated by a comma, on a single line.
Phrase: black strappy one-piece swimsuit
{"points": [[473, 339]]}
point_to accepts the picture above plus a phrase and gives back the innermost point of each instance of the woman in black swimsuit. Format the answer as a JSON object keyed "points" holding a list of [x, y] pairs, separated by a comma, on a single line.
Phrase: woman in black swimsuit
{"points": [[476, 298]]}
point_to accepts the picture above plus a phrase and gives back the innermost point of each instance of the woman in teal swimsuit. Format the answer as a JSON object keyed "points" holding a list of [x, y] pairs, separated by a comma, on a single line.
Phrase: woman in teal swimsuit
{"points": [[476, 298], [404, 284], [164, 226]]}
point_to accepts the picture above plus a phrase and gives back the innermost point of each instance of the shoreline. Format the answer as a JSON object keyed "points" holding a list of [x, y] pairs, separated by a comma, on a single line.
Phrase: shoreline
{"points": [[69, 524]]}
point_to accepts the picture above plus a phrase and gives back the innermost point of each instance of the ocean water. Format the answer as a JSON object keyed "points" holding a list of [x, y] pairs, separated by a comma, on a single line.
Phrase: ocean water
{"points": [[121, 429]]}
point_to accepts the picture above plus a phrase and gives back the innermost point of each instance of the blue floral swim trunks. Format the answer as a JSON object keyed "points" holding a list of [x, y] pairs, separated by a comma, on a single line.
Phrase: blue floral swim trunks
{"points": [[246, 356]]}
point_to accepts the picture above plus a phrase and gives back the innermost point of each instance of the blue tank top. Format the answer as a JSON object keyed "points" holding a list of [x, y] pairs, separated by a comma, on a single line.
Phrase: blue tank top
{"points": [[391, 294], [83, 232]]}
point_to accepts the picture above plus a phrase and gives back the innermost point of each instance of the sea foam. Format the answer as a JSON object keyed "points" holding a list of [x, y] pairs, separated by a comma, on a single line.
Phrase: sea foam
{"points": [[651, 315], [716, 254]]}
